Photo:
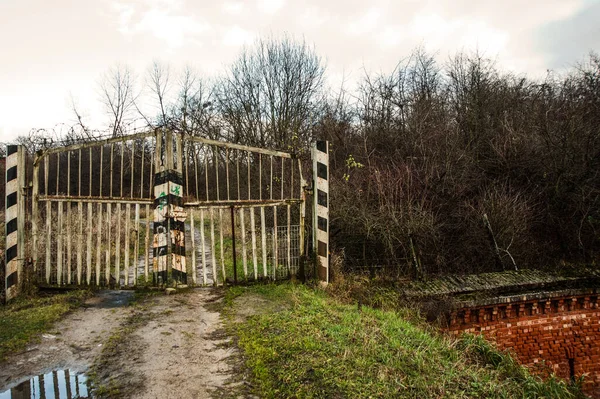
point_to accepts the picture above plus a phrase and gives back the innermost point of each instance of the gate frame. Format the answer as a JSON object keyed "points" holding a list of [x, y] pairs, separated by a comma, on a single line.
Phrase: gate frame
{"points": [[168, 162]]}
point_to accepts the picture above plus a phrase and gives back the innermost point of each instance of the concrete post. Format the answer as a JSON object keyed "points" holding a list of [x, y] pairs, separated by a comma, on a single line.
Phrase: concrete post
{"points": [[169, 219], [15, 220], [320, 157]]}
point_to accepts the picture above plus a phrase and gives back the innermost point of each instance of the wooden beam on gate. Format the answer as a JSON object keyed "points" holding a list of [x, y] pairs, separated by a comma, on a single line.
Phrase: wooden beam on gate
{"points": [[240, 147], [243, 203]]}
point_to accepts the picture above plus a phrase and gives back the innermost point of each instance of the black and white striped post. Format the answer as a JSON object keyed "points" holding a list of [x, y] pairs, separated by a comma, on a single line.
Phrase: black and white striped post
{"points": [[169, 217], [320, 157], [15, 219]]}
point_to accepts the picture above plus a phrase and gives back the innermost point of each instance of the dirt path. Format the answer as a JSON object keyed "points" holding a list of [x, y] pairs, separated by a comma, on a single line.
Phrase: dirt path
{"points": [[73, 343], [172, 346], [164, 346]]}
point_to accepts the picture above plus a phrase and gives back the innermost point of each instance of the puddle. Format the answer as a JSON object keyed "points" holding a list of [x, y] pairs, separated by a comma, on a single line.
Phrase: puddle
{"points": [[59, 384]]}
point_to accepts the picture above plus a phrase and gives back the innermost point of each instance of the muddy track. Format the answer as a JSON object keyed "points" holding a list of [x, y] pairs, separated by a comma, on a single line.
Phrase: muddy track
{"points": [[162, 346], [73, 343]]}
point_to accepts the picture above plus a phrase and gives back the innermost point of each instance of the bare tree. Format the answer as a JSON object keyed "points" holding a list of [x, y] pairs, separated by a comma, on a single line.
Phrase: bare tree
{"points": [[158, 81], [118, 96], [272, 94]]}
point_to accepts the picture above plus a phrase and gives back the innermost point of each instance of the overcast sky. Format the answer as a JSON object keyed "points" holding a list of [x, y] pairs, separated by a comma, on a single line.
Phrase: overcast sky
{"points": [[50, 50]]}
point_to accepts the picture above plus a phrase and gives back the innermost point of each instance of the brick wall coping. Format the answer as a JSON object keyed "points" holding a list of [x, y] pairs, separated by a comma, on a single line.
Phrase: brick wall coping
{"points": [[493, 285], [525, 297]]}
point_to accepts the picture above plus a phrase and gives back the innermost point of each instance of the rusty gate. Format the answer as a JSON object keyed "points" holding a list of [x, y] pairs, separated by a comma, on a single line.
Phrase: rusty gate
{"points": [[164, 208]]}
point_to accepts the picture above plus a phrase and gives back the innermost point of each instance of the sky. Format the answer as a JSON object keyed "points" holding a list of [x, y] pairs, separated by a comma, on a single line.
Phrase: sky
{"points": [[53, 53]]}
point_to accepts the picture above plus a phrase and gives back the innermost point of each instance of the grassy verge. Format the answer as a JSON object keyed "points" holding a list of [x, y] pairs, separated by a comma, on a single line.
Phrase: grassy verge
{"points": [[23, 320], [317, 347]]}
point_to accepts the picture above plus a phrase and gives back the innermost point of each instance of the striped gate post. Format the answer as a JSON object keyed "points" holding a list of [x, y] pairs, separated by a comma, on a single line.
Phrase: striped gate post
{"points": [[15, 219], [169, 223], [320, 157]]}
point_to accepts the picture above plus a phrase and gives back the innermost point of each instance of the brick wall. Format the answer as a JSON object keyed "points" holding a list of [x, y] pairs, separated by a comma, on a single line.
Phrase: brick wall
{"points": [[558, 334]]}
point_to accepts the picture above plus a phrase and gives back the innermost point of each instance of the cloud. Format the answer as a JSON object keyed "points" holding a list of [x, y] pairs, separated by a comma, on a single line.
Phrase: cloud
{"points": [[236, 36], [567, 40], [233, 7], [165, 20], [270, 6]]}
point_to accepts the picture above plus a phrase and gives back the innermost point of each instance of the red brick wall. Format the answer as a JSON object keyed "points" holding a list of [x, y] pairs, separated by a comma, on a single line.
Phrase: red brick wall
{"points": [[558, 334]]}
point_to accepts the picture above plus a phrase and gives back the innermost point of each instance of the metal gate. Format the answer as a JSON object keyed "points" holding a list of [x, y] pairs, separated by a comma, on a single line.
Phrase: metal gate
{"points": [[164, 208]]}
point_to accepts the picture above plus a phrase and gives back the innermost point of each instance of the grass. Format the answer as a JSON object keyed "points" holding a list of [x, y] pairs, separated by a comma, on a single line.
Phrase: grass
{"points": [[317, 347], [24, 319]]}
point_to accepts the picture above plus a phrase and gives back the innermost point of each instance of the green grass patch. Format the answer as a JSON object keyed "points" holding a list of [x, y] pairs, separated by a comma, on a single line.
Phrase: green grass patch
{"points": [[24, 319], [317, 347]]}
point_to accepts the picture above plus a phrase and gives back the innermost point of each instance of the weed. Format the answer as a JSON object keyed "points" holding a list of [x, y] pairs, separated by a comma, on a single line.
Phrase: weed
{"points": [[24, 319], [319, 347]]}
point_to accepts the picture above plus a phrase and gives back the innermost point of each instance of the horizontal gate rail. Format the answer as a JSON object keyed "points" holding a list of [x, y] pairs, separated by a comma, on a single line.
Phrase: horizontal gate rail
{"points": [[99, 143]]}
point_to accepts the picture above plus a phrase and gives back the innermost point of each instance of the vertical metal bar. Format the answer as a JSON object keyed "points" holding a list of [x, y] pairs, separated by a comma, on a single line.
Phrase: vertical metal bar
{"points": [[203, 245], [206, 171], [136, 245], [212, 248], [99, 244], [79, 174], [237, 165], [88, 259], [292, 178], [244, 257], [186, 150], [48, 240], [35, 217], [80, 243], [132, 168], [260, 176], [57, 171], [118, 248], [142, 170], [68, 214], [263, 234], [90, 176], [68, 173], [101, 162], [193, 238], [127, 242], [147, 246], [227, 171], [289, 234], [112, 152], [216, 156], [235, 280], [196, 170], [46, 169], [122, 167], [302, 210], [253, 232], [282, 175], [151, 177], [108, 243], [249, 180], [271, 181], [223, 272], [59, 244]]}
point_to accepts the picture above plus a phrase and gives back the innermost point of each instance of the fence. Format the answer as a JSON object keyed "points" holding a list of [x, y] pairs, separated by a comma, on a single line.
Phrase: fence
{"points": [[163, 208]]}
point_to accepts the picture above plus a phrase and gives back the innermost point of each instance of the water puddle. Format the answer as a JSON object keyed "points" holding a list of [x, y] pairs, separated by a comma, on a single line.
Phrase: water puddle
{"points": [[58, 384]]}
